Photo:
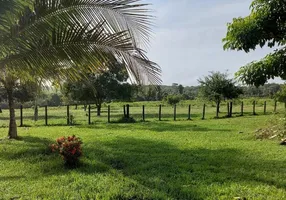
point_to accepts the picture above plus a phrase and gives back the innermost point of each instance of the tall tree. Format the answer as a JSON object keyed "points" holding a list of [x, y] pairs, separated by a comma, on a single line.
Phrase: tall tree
{"points": [[107, 85], [281, 95], [217, 87], [266, 25], [63, 39]]}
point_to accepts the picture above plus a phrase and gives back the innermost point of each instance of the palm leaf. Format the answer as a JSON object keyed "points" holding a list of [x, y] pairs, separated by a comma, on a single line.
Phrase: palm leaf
{"points": [[120, 15], [67, 50]]}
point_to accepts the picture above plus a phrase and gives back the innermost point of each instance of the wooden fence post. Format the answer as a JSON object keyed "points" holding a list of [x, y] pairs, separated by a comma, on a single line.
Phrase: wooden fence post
{"points": [[124, 110], [217, 110], [189, 113], [265, 104], [68, 115], [108, 114], [21, 116], [275, 106], [254, 104], [230, 109], [204, 112], [160, 112], [89, 113], [46, 115], [127, 110], [175, 112], [143, 113], [242, 104]]}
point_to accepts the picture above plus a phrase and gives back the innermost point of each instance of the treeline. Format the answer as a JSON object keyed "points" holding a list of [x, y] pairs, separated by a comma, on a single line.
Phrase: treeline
{"points": [[159, 93], [60, 96]]}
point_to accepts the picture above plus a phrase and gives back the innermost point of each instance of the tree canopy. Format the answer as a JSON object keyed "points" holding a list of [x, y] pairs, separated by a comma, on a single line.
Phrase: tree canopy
{"points": [[218, 87], [109, 85], [265, 26]]}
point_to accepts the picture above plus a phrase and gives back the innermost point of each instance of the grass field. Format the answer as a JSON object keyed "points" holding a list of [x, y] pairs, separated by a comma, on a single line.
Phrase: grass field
{"points": [[198, 159], [58, 115]]}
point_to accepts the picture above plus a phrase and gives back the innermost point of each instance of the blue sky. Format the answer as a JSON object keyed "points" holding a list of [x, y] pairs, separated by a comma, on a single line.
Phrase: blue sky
{"points": [[187, 41]]}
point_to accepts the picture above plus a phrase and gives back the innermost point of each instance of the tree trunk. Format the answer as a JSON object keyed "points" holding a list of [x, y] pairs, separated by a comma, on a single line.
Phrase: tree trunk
{"points": [[98, 107], [217, 109], [36, 113], [12, 134]]}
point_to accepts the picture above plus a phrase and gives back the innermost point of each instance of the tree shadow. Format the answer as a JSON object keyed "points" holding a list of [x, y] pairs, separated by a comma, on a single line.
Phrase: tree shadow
{"points": [[161, 126], [183, 174], [159, 166]]}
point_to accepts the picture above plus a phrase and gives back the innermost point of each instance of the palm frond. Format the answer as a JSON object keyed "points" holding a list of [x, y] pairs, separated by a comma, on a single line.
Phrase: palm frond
{"points": [[120, 15], [69, 50]]}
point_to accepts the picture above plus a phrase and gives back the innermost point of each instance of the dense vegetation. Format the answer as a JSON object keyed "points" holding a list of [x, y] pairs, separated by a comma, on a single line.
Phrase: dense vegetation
{"points": [[56, 97], [264, 26]]}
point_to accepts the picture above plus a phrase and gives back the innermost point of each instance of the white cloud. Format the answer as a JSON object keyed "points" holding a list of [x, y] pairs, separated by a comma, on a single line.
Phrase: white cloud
{"points": [[188, 39]]}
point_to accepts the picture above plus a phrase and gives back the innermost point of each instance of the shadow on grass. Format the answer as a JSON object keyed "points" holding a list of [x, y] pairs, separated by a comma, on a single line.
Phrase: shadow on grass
{"points": [[184, 174], [174, 172], [162, 126]]}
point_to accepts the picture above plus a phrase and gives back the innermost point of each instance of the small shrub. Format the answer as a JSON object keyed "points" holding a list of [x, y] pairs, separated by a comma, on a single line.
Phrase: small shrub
{"points": [[72, 121], [69, 149], [126, 120], [173, 99]]}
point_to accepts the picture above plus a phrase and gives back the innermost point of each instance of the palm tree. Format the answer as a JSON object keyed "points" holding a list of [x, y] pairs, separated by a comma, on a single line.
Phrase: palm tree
{"points": [[60, 39]]}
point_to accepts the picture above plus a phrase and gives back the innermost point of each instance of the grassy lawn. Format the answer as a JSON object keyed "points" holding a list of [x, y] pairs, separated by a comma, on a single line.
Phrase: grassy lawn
{"points": [[211, 159], [58, 115]]}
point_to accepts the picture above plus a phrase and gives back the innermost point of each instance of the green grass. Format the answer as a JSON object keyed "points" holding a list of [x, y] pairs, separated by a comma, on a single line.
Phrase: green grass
{"points": [[58, 115], [210, 159]]}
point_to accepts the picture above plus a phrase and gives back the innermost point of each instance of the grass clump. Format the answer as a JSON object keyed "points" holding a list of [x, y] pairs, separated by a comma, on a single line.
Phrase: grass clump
{"points": [[126, 120]]}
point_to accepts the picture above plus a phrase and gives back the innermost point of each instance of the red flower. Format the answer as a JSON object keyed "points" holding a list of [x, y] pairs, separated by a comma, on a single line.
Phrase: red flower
{"points": [[73, 151]]}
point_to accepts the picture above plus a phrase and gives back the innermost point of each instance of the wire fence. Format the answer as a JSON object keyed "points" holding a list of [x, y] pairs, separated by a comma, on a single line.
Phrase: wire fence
{"points": [[113, 113]]}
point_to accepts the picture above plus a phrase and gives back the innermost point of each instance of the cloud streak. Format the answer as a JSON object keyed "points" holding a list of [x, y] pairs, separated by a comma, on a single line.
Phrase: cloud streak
{"points": [[188, 39]]}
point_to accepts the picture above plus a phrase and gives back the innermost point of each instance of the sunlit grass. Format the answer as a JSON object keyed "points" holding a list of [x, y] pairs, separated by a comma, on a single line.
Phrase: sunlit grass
{"points": [[210, 159]]}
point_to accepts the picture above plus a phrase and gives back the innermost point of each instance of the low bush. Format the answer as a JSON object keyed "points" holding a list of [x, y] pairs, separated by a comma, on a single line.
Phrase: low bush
{"points": [[69, 149]]}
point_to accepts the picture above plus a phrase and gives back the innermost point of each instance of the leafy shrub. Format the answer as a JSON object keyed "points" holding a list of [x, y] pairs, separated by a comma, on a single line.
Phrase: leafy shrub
{"points": [[69, 149], [126, 120], [71, 120], [173, 99]]}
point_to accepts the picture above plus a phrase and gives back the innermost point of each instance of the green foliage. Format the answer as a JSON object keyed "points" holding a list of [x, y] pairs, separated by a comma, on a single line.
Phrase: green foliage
{"points": [[173, 99], [281, 94], [266, 25], [69, 149], [126, 120], [217, 87], [96, 88]]}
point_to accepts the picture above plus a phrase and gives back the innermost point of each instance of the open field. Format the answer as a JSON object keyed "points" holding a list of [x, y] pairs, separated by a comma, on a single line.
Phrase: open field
{"points": [[210, 159], [58, 115]]}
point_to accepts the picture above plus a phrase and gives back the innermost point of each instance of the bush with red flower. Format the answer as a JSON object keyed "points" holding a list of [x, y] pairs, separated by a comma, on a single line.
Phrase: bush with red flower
{"points": [[69, 148]]}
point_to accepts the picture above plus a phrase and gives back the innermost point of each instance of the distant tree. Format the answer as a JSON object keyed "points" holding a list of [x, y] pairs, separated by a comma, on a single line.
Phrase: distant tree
{"points": [[217, 87], [54, 100], [281, 95], [173, 99], [181, 89], [96, 88]]}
